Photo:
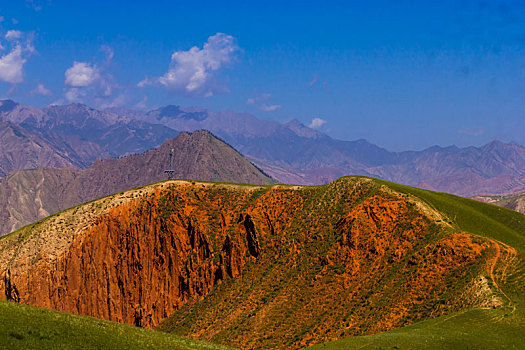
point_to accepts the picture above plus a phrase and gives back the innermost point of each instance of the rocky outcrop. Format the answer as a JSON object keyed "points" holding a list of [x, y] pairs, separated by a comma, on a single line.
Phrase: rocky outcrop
{"points": [[137, 263], [251, 235], [10, 290]]}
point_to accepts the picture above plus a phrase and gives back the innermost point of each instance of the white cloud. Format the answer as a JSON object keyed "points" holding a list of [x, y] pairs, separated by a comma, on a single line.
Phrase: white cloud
{"points": [[109, 52], [75, 95], [260, 99], [12, 63], [13, 35], [88, 81], [41, 90], [119, 101], [11, 66], [191, 72], [81, 74], [316, 123], [146, 82], [271, 108]]}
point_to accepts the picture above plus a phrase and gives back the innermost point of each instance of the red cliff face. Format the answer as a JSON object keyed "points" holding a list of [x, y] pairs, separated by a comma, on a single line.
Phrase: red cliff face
{"points": [[144, 259], [261, 267]]}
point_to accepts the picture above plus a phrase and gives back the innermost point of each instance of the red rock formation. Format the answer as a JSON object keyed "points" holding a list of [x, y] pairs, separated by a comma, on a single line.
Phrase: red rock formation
{"points": [[258, 267]]}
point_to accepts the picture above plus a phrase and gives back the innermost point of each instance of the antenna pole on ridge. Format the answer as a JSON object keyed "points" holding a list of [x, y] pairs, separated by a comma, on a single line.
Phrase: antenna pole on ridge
{"points": [[170, 171]]}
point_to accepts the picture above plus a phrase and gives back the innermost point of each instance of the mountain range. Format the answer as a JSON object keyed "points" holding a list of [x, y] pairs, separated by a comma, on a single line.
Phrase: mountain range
{"points": [[29, 195], [76, 135], [70, 136], [294, 153]]}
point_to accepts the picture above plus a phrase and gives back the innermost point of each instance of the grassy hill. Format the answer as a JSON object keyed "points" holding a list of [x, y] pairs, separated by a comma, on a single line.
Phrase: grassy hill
{"points": [[482, 328], [28, 327], [360, 261], [471, 329]]}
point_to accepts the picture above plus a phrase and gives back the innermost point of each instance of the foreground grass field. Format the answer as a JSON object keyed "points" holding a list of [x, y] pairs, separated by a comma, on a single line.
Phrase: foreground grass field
{"points": [[500, 328], [27, 327]]}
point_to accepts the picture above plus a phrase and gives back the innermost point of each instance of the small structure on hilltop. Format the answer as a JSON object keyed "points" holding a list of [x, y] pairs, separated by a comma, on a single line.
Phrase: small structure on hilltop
{"points": [[170, 171]]}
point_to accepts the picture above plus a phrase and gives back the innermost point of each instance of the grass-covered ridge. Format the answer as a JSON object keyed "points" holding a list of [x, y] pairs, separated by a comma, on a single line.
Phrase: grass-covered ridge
{"points": [[499, 328], [471, 216], [28, 327]]}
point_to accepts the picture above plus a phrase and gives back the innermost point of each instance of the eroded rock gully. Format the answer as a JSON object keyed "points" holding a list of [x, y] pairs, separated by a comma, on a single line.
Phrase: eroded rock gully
{"points": [[260, 267]]}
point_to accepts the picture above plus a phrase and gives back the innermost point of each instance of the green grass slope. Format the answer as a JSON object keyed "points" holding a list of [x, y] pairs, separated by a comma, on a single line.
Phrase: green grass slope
{"points": [[473, 329], [28, 327], [500, 328]]}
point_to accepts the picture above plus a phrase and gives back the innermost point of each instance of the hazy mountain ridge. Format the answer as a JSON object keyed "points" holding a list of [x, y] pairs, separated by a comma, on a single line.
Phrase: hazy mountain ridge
{"points": [[290, 152], [306, 156], [84, 134], [30, 195], [21, 149]]}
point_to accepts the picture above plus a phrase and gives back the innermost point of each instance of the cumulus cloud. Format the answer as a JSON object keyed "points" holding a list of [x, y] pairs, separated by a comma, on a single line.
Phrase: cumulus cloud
{"points": [[85, 80], [11, 66], [316, 123], [270, 108], [81, 74], [12, 63], [41, 90], [191, 72]]}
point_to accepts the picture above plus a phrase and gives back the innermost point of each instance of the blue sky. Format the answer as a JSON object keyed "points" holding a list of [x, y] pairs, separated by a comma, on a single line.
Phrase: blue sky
{"points": [[401, 74]]}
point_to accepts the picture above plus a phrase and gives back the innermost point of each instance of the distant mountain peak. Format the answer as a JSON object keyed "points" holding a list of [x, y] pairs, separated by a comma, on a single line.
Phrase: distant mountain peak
{"points": [[176, 112], [302, 130], [7, 105], [437, 148]]}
